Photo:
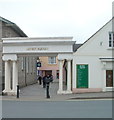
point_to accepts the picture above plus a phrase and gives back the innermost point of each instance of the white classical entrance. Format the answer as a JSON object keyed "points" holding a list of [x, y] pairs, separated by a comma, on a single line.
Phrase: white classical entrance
{"points": [[59, 46]]}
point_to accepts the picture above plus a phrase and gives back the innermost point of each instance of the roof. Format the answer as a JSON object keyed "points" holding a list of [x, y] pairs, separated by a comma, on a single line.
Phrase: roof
{"points": [[39, 41], [41, 38], [13, 26], [76, 46]]}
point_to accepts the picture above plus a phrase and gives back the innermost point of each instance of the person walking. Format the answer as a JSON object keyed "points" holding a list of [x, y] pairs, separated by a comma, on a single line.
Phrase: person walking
{"points": [[40, 80]]}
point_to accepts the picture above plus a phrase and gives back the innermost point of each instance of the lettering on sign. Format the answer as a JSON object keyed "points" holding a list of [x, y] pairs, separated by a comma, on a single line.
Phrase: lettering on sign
{"points": [[37, 49], [82, 66]]}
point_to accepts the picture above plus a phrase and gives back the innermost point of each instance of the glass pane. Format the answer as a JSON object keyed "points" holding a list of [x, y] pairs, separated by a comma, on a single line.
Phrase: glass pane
{"points": [[52, 60], [110, 44], [49, 60], [109, 36]]}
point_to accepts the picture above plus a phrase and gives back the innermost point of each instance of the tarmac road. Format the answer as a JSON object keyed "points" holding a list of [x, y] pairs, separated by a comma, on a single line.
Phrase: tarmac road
{"points": [[57, 109]]}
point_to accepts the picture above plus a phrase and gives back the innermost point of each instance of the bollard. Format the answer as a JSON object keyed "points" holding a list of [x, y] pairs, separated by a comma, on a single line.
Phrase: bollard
{"points": [[2, 94], [47, 91], [17, 91]]}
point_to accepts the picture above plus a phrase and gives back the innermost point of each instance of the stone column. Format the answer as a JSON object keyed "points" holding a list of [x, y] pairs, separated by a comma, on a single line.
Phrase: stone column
{"points": [[14, 78], [7, 77], [69, 77], [60, 77]]}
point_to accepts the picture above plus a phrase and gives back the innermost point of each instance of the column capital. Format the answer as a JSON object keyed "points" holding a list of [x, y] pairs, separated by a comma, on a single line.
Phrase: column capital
{"points": [[69, 59], [14, 60], [65, 56], [60, 59], [12, 57]]}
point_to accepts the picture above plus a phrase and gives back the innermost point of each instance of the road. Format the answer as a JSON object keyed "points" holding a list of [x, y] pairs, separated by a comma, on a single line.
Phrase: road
{"points": [[57, 109]]}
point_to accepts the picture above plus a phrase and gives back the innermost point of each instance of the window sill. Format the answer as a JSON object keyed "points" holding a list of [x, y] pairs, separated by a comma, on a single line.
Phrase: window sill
{"points": [[110, 48], [52, 63]]}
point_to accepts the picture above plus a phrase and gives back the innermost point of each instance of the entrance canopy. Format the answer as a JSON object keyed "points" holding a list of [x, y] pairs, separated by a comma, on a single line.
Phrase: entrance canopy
{"points": [[44, 46]]}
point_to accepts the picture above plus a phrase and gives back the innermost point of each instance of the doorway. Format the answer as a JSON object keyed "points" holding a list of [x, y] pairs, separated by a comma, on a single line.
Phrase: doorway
{"points": [[109, 78], [48, 72]]}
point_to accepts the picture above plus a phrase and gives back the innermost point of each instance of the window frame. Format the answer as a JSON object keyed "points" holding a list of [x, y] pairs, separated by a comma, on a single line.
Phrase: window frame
{"points": [[52, 60], [111, 40]]}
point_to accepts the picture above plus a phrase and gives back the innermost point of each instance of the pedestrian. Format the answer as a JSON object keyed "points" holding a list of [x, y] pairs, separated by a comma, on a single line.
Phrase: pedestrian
{"points": [[51, 78], [40, 80], [44, 81], [47, 81]]}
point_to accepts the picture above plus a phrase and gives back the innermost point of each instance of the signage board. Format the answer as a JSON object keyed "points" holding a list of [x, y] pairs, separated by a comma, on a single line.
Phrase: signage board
{"points": [[82, 76], [38, 64]]}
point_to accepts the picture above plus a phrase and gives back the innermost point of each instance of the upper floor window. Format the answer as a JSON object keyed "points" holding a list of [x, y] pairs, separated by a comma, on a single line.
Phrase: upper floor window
{"points": [[52, 60], [111, 39]]}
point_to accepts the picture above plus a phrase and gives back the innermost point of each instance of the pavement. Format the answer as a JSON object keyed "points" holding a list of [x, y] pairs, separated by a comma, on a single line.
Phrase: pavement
{"points": [[36, 92]]}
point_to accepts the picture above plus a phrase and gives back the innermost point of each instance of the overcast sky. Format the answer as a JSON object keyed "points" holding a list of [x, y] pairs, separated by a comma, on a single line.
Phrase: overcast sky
{"points": [[55, 18]]}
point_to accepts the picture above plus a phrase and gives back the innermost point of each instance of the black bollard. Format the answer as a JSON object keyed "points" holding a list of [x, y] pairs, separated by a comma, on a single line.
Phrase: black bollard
{"points": [[17, 91], [47, 91]]}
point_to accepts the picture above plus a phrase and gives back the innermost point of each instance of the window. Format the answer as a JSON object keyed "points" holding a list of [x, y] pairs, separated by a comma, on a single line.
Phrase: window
{"points": [[111, 39], [52, 60]]}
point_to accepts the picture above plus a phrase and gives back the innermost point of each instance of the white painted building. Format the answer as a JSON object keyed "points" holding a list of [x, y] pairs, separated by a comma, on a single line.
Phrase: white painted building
{"points": [[93, 62]]}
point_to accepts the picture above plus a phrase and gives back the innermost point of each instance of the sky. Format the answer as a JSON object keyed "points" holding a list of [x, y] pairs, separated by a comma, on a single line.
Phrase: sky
{"points": [[79, 19]]}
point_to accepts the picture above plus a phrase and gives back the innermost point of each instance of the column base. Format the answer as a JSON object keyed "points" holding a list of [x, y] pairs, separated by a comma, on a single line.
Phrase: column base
{"points": [[64, 92], [13, 92], [10, 92], [6, 92], [104, 89]]}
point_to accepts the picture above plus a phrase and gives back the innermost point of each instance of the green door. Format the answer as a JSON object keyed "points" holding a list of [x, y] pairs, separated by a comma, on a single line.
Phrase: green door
{"points": [[82, 76]]}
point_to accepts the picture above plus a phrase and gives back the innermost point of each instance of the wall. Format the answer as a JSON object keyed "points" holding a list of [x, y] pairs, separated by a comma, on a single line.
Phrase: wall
{"points": [[7, 31], [27, 70], [31, 76], [95, 71]]}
